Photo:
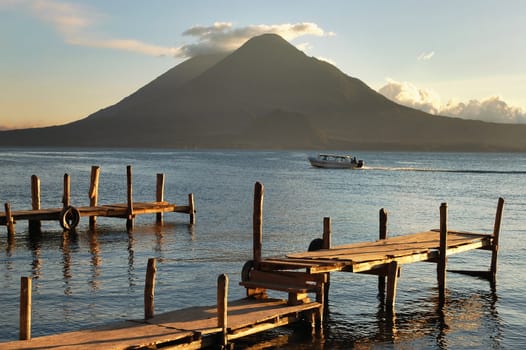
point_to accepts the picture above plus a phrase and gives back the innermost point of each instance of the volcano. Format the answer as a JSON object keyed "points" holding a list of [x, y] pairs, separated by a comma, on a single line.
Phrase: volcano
{"points": [[267, 95]]}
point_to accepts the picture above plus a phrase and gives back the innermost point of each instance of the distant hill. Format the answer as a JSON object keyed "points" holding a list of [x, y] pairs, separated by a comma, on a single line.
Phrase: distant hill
{"points": [[267, 95]]}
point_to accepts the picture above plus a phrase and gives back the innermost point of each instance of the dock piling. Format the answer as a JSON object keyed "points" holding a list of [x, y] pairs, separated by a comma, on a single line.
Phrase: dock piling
{"points": [[94, 193], [257, 226], [159, 195], [149, 289], [382, 235], [192, 210], [442, 257], [25, 308], [10, 223], [222, 309], [34, 225], [67, 190], [129, 188], [495, 243]]}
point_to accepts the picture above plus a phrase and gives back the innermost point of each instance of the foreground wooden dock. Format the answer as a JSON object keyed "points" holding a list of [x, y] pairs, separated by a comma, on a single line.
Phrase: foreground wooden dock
{"points": [[298, 275], [191, 328], [68, 216], [309, 271]]}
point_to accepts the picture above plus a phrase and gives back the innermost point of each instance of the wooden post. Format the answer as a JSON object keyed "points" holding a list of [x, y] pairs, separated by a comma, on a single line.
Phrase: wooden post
{"points": [[129, 221], [393, 272], [192, 210], [257, 222], [222, 308], [442, 258], [159, 195], [327, 243], [67, 189], [327, 239], [10, 223], [495, 243], [25, 308], [149, 289], [94, 193], [382, 235], [34, 225]]}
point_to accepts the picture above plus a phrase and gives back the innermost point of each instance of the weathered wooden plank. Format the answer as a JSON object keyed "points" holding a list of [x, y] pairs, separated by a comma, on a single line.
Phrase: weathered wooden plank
{"points": [[189, 326]]}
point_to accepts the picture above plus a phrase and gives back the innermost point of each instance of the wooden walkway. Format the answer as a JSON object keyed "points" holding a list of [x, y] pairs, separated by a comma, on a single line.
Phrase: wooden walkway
{"points": [[69, 216], [191, 328], [296, 273]]}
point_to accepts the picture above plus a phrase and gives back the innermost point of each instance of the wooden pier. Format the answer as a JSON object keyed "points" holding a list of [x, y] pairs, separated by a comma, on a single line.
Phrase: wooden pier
{"points": [[69, 216], [299, 275]]}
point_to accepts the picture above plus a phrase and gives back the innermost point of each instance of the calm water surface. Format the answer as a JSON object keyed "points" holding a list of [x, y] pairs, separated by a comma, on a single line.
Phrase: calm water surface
{"points": [[90, 278]]}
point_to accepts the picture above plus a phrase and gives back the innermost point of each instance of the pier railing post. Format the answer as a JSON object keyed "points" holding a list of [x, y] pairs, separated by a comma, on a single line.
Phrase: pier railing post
{"points": [[382, 235], [257, 224], [442, 258], [25, 308], [222, 308], [67, 190], [327, 243], [34, 225], [129, 221], [495, 243], [191, 205], [94, 193], [10, 223], [159, 195], [149, 289]]}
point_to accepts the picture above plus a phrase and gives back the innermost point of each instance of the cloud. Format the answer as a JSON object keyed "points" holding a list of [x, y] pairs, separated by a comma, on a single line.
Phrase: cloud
{"points": [[224, 37], [77, 23], [409, 95], [425, 56], [491, 109]]}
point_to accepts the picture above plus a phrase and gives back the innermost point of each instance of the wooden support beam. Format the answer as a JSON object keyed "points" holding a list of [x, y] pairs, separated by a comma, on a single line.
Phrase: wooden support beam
{"points": [[393, 272], [159, 195], [34, 225], [129, 188], [10, 223], [323, 296], [25, 308], [495, 242], [222, 308], [191, 206], [382, 235], [257, 222], [442, 256], [94, 193], [149, 289], [66, 192]]}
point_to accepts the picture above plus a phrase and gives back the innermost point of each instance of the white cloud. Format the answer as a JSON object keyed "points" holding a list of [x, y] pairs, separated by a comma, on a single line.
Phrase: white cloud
{"points": [[77, 25], [222, 36], [409, 95], [425, 56], [491, 109]]}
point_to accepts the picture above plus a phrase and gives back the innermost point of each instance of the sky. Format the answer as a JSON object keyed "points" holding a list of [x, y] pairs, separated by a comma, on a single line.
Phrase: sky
{"points": [[63, 60]]}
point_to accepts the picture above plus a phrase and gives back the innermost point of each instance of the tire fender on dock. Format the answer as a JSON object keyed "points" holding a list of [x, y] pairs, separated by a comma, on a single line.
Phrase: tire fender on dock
{"points": [[69, 218]]}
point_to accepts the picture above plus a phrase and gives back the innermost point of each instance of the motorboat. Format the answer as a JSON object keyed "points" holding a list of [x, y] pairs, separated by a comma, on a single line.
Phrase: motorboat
{"points": [[335, 161]]}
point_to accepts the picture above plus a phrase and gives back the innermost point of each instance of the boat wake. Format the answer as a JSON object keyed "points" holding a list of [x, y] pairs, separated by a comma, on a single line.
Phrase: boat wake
{"points": [[466, 171]]}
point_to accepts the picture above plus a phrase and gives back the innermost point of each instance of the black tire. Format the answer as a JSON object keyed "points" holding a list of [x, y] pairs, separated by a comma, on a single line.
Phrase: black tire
{"points": [[69, 218], [316, 244], [246, 270]]}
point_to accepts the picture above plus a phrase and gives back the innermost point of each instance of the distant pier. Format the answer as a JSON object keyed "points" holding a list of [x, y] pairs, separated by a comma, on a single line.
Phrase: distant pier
{"points": [[299, 275], [68, 216]]}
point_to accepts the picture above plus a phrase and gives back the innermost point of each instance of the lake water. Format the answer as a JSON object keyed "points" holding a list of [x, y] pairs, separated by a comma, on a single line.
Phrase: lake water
{"points": [[91, 278]]}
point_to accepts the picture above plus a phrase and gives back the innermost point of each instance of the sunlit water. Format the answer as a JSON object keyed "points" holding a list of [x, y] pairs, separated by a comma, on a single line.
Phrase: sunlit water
{"points": [[91, 278]]}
